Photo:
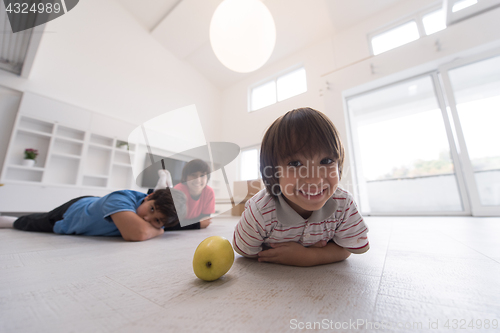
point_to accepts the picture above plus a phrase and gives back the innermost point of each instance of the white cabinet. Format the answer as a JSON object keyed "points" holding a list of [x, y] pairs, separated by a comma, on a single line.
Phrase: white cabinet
{"points": [[72, 159], [67, 156]]}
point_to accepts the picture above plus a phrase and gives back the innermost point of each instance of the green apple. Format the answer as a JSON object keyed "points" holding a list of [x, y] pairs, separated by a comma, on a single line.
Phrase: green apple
{"points": [[213, 258]]}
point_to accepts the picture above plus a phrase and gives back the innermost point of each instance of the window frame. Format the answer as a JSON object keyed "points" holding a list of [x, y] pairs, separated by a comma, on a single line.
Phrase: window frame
{"points": [[392, 27], [450, 17], [274, 79], [454, 17], [422, 14], [417, 17]]}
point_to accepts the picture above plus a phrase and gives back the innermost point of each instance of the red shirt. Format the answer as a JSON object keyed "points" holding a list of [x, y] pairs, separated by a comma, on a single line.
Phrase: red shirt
{"points": [[204, 205]]}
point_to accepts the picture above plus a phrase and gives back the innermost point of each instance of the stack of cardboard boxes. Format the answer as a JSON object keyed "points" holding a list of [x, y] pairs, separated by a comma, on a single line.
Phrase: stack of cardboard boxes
{"points": [[244, 190]]}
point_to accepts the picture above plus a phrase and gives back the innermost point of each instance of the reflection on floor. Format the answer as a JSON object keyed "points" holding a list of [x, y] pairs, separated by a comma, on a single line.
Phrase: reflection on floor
{"points": [[419, 271]]}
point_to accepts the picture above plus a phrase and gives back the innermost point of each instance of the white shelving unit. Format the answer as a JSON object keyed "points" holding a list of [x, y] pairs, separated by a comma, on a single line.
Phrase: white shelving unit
{"points": [[63, 152], [79, 153]]}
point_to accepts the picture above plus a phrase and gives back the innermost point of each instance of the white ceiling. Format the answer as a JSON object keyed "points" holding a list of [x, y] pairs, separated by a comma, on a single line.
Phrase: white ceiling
{"points": [[182, 26]]}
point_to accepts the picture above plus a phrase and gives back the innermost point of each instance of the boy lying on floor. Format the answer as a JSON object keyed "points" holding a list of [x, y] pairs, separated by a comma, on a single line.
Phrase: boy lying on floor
{"points": [[133, 215]]}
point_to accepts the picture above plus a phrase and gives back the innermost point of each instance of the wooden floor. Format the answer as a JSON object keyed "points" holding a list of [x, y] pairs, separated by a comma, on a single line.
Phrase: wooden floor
{"points": [[418, 271]]}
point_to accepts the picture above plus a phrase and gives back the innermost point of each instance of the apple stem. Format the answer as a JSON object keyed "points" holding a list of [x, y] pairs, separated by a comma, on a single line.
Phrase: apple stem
{"points": [[209, 264]]}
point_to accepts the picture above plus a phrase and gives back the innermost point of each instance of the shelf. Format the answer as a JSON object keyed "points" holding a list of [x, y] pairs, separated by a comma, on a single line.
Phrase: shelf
{"points": [[72, 158], [24, 174], [76, 157], [101, 140], [70, 133], [124, 152], [131, 147], [35, 133], [68, 139], [121, 177], [77, 153], [62, 170], [27, 139], [122, 165], [65, 147], [95, 181], [35, 125], [97, 176], [99, 146], [22, 167], [97, 161], [121, 159]]}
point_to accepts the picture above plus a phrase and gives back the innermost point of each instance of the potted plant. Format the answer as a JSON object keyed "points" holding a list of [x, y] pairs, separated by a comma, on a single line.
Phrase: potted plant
{"points": [[30, 157], [122, 145]]}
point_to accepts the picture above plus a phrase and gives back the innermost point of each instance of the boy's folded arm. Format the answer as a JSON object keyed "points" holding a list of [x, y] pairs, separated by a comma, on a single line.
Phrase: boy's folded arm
{"points": [[247, 240], [295, 254], [359, 250], [240, 252], [133, 228], [328, 254]]}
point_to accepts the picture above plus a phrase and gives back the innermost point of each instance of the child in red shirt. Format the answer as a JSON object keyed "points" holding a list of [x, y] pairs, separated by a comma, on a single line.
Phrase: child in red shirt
{"points": [[200, 197]]}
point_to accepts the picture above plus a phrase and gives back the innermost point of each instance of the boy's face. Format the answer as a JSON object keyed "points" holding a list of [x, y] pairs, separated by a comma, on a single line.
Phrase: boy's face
{"points": [[307, 183], [148, 213], [196, 182]]}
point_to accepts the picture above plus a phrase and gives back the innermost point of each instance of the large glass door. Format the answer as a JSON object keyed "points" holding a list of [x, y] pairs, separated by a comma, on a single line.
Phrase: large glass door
{"points": [[473, 91], [430, 145], [405, 157]]}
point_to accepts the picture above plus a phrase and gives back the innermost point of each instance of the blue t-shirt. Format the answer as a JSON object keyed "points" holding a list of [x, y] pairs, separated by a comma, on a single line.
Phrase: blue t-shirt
{"points": [[91, 216]]}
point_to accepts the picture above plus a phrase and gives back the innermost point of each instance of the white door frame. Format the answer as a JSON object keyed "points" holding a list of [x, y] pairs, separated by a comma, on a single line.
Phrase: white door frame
{"points": [[477, 208], [454, 150]]}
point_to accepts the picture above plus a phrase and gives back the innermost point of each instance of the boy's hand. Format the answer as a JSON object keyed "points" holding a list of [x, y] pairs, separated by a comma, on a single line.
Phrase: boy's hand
{"points": [[205, 223], [294, 254], [288, 253]]}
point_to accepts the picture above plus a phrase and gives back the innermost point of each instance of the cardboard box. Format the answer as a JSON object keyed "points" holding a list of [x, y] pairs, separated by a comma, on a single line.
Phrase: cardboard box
{"points": [[244, 190], [238, 209]]}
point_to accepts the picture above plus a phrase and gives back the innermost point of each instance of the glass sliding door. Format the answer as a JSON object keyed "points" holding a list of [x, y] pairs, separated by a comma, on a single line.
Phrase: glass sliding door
{"points": [[473, 91], [403, 154]]}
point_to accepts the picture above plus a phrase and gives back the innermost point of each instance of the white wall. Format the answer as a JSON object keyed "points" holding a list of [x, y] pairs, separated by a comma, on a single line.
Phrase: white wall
{"points": [[9, 103], [98, 57]]}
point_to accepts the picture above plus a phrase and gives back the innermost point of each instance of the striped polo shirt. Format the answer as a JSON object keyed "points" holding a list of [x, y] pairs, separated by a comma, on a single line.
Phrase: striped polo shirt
{"points": [[269, 220]]}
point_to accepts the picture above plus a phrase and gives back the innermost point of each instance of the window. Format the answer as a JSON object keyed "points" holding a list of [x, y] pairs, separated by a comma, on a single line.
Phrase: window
{"points": [[264, 95], [426, 22], [434, 22], [395, 37], [462, 4], [278, 89], [476, 90], [458, 10], [403, 158], [291, 84], [249, 166], [428, 145]]}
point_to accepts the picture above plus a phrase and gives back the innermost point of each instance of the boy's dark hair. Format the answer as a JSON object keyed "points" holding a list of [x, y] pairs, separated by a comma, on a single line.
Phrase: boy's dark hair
{"points": [[171, 203], [195, 166], [300, 131]]}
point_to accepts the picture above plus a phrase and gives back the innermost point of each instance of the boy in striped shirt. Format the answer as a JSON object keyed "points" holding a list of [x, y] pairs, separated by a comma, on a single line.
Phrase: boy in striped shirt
{"points": [[302, 217]]}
